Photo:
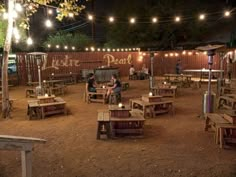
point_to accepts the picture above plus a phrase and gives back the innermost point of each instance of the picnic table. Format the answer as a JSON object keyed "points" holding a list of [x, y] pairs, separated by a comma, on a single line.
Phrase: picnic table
{"points": [[46, 105], [23, 144], [181, 80], [56, 87], [165, 90], [152, 108], [68, 78], [223, 125], [114, 124]]}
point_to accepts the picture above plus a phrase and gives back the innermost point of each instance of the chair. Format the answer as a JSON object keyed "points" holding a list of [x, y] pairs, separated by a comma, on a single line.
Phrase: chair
{"points": [[133, 77], [89, 96], [115, 98]]}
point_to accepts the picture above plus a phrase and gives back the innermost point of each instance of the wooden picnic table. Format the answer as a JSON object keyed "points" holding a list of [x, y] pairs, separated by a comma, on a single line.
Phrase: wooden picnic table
{"points": [[68, 78], [23, 144], [112, 126], [40, 108], [165, 91], [120, 112], [219, 123], [132, 125], [152, 108], [181, 80]]}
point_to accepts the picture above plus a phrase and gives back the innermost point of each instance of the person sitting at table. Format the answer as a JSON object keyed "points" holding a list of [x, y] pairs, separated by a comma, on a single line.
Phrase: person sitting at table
{"points": [[91, 83], [116, 88], [145, 71], [132, 72]]}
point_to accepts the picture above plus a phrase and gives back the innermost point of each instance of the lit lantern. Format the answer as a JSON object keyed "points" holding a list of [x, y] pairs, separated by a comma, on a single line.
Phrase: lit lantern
{"points": [[120, 105]]}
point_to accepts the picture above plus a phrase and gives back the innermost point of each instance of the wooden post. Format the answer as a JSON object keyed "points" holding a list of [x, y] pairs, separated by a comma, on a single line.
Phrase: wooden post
{"points": [[26, 162]]}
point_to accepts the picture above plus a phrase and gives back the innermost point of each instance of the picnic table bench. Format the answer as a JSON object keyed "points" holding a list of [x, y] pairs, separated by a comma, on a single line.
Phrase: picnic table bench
{"points": [[23, 144], [227, 102], [152, 108], [227, 90], [222, 127]]}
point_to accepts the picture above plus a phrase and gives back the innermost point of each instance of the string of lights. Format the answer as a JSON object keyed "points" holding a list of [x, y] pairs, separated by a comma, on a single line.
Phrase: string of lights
{"points": [[18, 8]]}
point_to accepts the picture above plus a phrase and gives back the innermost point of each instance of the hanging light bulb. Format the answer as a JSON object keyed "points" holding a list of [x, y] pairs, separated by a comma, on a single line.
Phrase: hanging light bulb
{"points": [[227, 13], [57, 46], [66, 47], [48, 23], [201, 17], [50, 11], [111, 19], [90, 17], [18, 7], [73, 47], [177, 19], [132, 20], [29, 41], [154, 20], [49, 45]]}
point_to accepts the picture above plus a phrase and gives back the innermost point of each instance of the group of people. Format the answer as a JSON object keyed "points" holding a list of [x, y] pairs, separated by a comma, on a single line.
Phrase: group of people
{"points": [[116, 88], [143, 72]]}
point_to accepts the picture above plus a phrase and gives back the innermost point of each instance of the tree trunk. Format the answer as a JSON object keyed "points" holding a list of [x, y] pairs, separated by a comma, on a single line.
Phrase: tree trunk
{"points": [[7, 48]]}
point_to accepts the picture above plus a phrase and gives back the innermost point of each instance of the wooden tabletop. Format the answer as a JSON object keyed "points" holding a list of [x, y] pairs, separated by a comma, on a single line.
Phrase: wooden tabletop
{"points": [[217, 118], [22, 139]]}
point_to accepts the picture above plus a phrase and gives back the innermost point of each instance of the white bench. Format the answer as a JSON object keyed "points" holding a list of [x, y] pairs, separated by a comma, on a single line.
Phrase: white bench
{"points": [[23, 144]]}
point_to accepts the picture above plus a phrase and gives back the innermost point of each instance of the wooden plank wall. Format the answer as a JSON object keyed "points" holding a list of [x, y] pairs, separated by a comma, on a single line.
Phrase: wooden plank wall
{"points": [[66, 62]]}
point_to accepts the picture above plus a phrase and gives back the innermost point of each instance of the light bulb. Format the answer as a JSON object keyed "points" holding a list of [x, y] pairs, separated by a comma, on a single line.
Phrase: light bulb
{"points": [[154, 20], [177, 19], [29, 41], [48, 23], [50, 11], [201, 17], [66, 47], [90, 17], [132, 20], [111, 19], [227, 13]]}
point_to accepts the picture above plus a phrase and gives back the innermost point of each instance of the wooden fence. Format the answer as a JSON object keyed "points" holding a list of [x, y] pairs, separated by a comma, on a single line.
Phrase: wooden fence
{"points": [[74, 62]]}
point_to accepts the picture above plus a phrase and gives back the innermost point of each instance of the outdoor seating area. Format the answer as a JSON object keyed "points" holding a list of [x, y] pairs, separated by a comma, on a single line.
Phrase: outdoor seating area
{"points": [[118, 88]]}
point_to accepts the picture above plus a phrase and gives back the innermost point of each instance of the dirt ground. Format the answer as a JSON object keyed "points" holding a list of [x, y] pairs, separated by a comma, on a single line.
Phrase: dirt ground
{"points": [[174, 146]]}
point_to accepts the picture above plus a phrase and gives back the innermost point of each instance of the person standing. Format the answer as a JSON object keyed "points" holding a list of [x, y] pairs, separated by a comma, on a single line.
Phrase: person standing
{"points": [[229, 67], [178, 67]]}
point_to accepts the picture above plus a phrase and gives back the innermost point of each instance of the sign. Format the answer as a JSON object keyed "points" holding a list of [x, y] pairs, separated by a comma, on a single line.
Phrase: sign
{"points": [[117, 61]]}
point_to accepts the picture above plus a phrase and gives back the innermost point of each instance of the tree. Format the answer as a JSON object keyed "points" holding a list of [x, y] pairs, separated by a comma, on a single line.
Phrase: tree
{"points": [[78, 39], [65, 7]]}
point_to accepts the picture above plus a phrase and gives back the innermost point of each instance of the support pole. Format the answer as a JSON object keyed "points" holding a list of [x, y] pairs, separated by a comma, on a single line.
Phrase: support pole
{"points": [[210, 53], [151, 78], [26, 157]]}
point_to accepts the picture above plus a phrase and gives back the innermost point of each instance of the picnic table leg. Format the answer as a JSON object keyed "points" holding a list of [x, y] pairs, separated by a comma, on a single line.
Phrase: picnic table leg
{"points": [[207, 123], [26, 157], [221, 137]]}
